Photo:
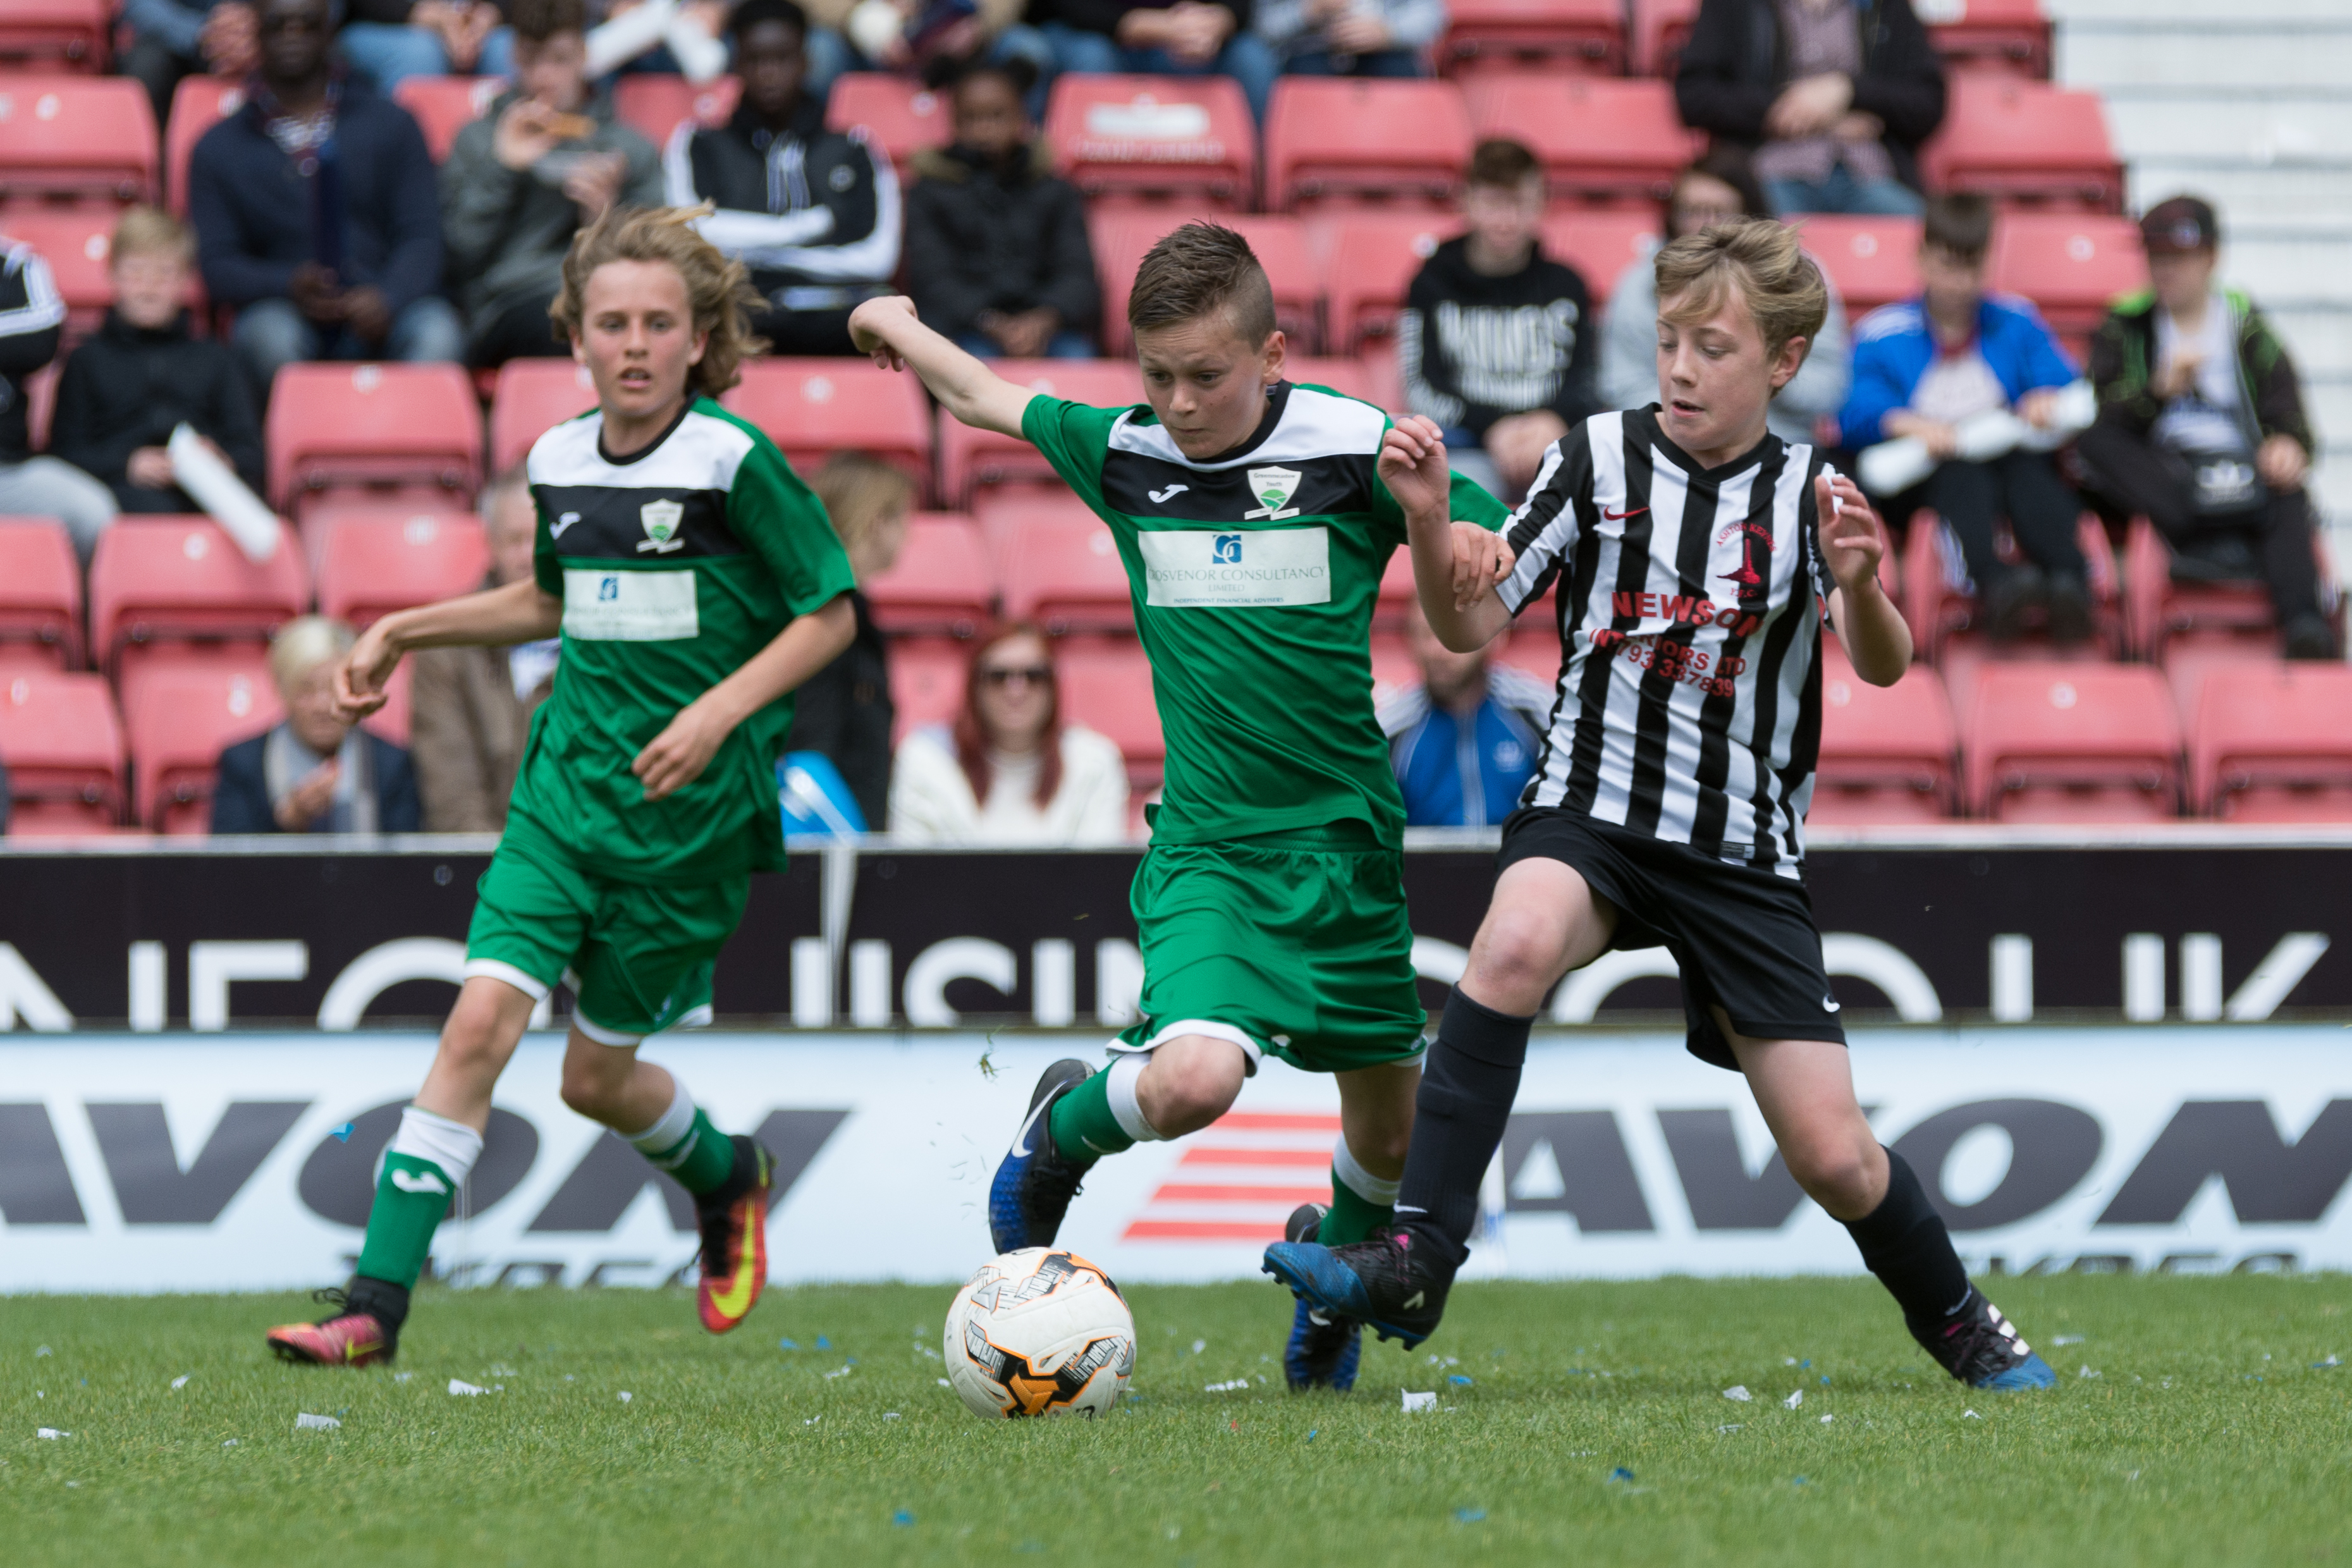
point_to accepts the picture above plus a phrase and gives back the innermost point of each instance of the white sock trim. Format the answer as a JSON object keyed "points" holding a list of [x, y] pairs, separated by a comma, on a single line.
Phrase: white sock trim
{"points": [[1125, 1108], [452, 1146], [536, 990], [1350, 1173], [598, 1032], [675, 1124]]}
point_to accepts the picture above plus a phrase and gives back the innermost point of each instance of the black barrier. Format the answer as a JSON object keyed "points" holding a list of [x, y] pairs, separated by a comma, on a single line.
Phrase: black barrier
{"points": [[1955, 928]]}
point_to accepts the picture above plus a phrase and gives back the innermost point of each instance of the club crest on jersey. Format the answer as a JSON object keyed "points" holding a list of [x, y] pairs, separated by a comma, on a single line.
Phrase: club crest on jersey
{"points": [[661, 519], [1275, 487]]}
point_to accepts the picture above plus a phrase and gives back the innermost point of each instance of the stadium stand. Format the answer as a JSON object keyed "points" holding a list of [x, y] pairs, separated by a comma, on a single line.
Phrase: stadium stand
{"points": [[74, 241], [1332, 141], [813, 408], [55, 34], [159, 583], [926, 684], [179, 716], [1937, 607], [77, 138], [1120, 137], [198, 103], [411, 427], [2159, 610], [2271, 741], [533, 396], [40, 592], [1061, 568], [1348, 377], [2071, 744], [970, 458], [1600, 140], [2025, 141], [942, 584], [63, 745], [900, 117], [1371, 260], [1106, 687], [1598, 242], [1585, 36], [444, 105], [370, 565], [1121, 238], [1394, 669], [1655, 34], [657, 103], [2009, 36], [1874, 261], [1886, 752], [2070, 265]]}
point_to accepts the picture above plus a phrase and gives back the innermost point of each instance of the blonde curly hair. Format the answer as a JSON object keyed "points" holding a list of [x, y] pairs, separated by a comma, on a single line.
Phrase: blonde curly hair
{"points": [[718, 289]]}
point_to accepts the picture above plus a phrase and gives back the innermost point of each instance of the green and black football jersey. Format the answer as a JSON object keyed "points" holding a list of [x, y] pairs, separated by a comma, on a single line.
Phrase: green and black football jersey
{"points": [[675, 566], [1253, 576]]}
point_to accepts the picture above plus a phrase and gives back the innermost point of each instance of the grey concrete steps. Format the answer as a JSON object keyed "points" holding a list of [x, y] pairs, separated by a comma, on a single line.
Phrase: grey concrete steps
{"points": [[2264, 52]]}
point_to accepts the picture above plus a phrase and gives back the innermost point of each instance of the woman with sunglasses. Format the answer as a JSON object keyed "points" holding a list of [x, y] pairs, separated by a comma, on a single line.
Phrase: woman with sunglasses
{"points": [[1008, 770]]}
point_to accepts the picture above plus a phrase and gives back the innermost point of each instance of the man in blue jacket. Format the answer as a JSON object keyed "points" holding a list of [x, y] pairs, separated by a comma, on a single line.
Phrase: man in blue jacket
{"points": [[1924, 367], [316, 213], [1464, 741]]}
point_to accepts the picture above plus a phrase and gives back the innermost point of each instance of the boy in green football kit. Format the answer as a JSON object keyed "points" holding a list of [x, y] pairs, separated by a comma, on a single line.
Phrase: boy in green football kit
{"points": [[695, 583], [1253, 525]]}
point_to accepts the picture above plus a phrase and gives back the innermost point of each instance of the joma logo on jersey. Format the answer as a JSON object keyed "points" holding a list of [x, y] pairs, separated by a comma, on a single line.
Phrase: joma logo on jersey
{"points": [[1227, 550], [661, 519], [1275, 487]]}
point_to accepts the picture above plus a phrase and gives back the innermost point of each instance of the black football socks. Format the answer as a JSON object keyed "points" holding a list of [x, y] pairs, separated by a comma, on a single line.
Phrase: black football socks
{"points": [[1467, 1086], [1903, 1242]]}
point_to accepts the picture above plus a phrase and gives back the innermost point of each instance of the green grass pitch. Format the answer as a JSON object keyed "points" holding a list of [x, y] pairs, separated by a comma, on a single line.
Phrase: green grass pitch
{"points": [[1578, 1423]]}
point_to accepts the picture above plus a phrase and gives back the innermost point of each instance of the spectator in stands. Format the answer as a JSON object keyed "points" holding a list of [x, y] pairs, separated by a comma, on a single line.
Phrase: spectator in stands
{"points": [[315, 215], [1465, 741], [470, 707], [174, 39], [1351, 38], [930, 39], [313, 773], [1009, 771], [1496, 339], [844, 710], [1923, 367], [1163, 37], [1719, 188], [997, 255], [32, 318], [2202, 425], [812, 213], [542, 162], [1832, 96], [388, 41], [126, 389]]}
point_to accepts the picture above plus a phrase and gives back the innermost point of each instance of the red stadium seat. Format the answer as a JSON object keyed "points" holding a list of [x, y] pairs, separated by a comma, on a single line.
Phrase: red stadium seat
{"points": [[1359, 142], [2272, 743], [1599, 139], [1874, 261], [1108, 689], [813, 409], [1938, 605], [1122, 237], [941, 582], [2071, 743], [657, 103], [54, 35], [198, 103], [1127, 136], [74, 242], [1531, 646], [414, 426], [2159, 609], [2025, 141], [444, 105], [2072, 266], [901, 118], [926, 683], [2005, 35], [1372, 258], [1062, 570], [1348, 377], [533, 396], [1886, 752], [181, 716], [85, 138], [1599, 244], [40, 590], [970, 459], [1657, 32], [1558, 35], [157, 580], [62, 746], [369, 566]]}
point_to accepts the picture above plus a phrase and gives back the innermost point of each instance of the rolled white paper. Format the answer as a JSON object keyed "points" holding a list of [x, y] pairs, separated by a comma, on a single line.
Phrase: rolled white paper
{"points": [[216, 488]]}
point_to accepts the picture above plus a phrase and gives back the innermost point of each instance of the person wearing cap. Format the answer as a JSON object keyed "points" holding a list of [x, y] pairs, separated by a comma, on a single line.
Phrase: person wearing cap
{"points": [[2202, 425]]}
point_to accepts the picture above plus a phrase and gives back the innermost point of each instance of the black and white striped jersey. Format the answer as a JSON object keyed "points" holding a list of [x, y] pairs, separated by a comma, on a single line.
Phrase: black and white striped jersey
{"points": [[1689, 706]]}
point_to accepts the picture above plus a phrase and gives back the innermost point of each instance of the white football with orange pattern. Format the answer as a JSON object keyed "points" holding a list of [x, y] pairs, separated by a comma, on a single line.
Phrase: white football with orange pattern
{"points": [[1040, 1331]]}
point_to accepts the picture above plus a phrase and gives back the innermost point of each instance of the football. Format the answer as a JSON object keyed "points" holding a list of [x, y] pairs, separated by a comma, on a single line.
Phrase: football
{"points": [[1039, 1332]]}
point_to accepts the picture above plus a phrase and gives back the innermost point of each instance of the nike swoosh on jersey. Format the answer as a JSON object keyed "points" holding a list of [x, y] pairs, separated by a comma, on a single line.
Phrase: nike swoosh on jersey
{"points": [[555, 530], [1621, 516], [736, 1300], [1160, 497], [419, 1182]]}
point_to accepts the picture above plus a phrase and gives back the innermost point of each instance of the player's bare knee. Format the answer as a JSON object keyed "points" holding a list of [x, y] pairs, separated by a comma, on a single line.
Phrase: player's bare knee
{"points": [[1190, 1083], [1835, 1172], [1517, 955], [594, 1088]]}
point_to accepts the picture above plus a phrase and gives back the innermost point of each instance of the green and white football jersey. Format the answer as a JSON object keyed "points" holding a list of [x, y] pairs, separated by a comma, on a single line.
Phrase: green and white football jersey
{"points": [[675, 566], [1254, 575]]}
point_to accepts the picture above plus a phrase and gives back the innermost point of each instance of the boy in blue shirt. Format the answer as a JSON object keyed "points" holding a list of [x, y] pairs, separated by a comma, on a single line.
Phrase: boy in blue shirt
{"points": [[1464, 741]]}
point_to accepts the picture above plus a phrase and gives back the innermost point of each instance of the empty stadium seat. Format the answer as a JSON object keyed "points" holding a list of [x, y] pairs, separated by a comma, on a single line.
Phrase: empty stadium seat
{"points": [[1151, 136], [2159, 609], [1333, 140], [1559, 34], [81, 137], [40, 590], [1121, 238], [369, 566], [1061, 569], [926, 683], [1655, 34], [533, 396], [2272, 743], [414, 427], [1886, 752], [2011, 36], [1107, 687], [157, 580], [1874, 261], [2072, 266], [444, 105], [970, 459], [54, 35], [74, 241], [813, 409], [2025, 141], [941, 582], [1599, 243], [62, 745], [1599, 139], [657, 103], [901, 118], [198, 103], [1348, 377], [1372, 258], [2071, 743], [179, 716]]}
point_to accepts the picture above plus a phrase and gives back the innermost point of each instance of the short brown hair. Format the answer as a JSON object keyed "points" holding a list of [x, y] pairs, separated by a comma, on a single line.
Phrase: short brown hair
{"points": [[143, 231], [1500, 160], [1202, 268], [1783, 288], [718, 289], [858, 491], [536, 21], [1960, 222]]}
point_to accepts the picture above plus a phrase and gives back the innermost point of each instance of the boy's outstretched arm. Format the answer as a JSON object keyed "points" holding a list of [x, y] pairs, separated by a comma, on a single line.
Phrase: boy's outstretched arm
{"points": [[888, 329], [1877, 641], [1455, 565]]}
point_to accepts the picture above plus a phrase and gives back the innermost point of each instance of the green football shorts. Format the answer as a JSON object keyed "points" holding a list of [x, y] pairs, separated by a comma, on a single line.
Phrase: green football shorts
{"points": [[1295, 943], [638, 955]]}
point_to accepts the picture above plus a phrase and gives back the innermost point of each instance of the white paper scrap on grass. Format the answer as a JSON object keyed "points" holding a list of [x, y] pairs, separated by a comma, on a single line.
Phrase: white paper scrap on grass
{"points": [[306, 1422], [458, 1386], [1738, 1392], [1419, 1401]]}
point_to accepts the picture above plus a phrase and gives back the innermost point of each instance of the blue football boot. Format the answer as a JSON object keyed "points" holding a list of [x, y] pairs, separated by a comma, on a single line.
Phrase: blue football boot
{"points": [[1034, 1186], [1323, 1349], [1381, 1281], [1981, 1348]]}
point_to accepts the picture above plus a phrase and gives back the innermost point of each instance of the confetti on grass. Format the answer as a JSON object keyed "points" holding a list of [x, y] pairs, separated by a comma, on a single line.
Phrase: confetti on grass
{"points": [[306, 1422], [1413, 1402], [1738, 1393]]}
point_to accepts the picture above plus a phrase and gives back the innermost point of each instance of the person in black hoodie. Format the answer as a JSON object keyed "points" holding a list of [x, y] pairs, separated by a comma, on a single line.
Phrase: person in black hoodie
{"points": [[1496, 340], [1832, 97], [124, 390], [997, 256], [812, 213], [845, 710]]}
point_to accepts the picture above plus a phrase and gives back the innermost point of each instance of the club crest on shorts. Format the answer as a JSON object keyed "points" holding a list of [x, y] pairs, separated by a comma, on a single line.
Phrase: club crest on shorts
{"points": [[661, 519], [1275, 487]]}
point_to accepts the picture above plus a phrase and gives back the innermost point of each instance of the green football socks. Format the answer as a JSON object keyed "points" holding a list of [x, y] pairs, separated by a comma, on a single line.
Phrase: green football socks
{"points": [[687, 1145], [425, 1168], [1083, 1124], [1361, 1203]]}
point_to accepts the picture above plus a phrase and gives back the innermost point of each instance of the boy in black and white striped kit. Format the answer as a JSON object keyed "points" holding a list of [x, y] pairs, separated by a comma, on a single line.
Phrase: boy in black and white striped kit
{"points": [[1691, 550]]}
